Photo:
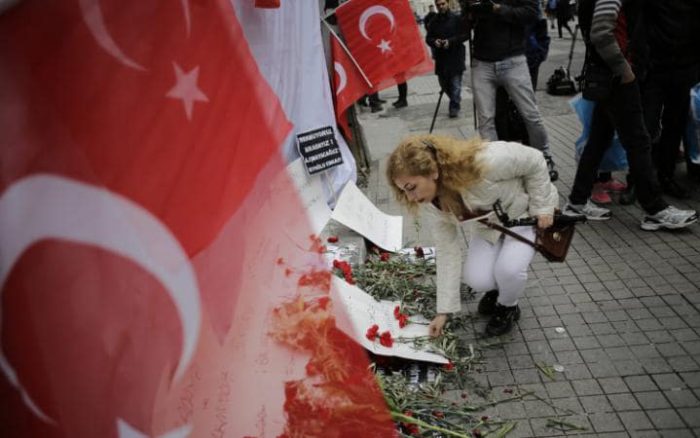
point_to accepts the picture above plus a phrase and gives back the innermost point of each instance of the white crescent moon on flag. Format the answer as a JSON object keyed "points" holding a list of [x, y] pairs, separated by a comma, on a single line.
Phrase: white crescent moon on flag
{"points": [[45, 206], [94, 19], [125, 430], [374, 10], [342, 76], [92, 14]]}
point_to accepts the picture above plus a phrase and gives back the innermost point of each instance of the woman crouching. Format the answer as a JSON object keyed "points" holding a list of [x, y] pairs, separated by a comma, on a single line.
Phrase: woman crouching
{"points": [[451, 180]]}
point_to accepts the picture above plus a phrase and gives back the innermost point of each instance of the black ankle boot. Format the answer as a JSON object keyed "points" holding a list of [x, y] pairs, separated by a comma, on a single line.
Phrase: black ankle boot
{"points": [[502, 320], [487, 304]]}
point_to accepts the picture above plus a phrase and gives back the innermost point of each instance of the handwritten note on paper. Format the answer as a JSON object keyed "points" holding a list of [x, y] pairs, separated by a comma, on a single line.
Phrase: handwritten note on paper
{"points": [[358, 213], [310, 192], [363, 311]]}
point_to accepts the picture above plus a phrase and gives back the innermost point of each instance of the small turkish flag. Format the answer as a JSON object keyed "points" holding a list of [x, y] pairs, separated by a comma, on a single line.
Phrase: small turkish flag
{"points": [[383, 37], [348, 82]]}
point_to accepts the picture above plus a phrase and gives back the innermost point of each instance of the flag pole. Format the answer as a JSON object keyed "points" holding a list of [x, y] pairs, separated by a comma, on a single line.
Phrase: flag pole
{"points": [[342, 44]]}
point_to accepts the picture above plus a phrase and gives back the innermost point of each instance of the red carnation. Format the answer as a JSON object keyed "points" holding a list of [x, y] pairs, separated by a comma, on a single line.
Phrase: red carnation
{"points": [[397, 312], [419, 252], [372, 332], [449, 366], [323, 302], [403, 320], [384, 256], [385, 339], [332, 239]]}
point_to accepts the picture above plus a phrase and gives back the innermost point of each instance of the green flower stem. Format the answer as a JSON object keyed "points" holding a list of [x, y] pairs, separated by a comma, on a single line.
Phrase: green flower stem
{"points": [[406, 419], [503, 431], [551, 422]]}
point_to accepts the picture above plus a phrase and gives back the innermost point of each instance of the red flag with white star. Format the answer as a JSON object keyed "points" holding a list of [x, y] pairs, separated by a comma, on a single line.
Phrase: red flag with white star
{"points": [[348, 82], [383, 37]]}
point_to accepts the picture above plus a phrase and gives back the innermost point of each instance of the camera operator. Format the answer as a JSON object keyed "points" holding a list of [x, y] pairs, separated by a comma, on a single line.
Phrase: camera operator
{"points": [[499, 60], [446, 36]]}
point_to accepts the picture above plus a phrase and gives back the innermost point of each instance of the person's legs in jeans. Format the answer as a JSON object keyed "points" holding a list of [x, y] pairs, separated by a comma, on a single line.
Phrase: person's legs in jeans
{"points": [[512, 263], [455, 87], [599, 139], [628, 121], [484, 89], [477, 271], [515, 77]]}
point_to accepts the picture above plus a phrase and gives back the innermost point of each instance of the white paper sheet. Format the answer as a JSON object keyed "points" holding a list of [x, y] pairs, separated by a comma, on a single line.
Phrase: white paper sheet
{"points": [[363, 311], [358, 213]]}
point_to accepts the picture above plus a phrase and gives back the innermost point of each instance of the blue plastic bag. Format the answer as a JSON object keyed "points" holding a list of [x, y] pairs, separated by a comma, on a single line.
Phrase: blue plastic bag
{"points": [[692, 130], [615, 158]]}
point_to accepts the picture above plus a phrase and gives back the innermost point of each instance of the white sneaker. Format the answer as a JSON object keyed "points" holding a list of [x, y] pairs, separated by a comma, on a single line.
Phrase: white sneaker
{"points": [[670, 218], [589, 209]]}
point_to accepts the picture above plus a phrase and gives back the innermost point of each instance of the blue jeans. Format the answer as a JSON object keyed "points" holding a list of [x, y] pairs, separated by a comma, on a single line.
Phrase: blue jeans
{"points": [[513, 75], [452, 86]]}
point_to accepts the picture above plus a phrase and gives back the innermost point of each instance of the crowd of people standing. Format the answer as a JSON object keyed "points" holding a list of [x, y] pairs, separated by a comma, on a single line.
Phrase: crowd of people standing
{"points": [[641, 61]]}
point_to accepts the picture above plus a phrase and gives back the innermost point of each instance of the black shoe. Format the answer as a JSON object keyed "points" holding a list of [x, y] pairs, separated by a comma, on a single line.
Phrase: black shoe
{"points": [[502, 320], [487, 304], [671, 187], [454, 114], [401, 103], [376, 108]]}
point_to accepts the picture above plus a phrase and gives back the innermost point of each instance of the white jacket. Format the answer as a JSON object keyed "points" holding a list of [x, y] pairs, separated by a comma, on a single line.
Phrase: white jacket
{"points": [[516, 175]]}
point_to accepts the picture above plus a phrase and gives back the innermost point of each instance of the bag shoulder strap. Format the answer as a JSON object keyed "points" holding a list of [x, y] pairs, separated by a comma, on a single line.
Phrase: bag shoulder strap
{"points": [[510, 233]]}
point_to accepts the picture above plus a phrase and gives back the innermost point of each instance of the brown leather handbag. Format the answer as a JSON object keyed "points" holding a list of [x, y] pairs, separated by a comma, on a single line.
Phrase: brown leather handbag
{"points": [[553, 243]]}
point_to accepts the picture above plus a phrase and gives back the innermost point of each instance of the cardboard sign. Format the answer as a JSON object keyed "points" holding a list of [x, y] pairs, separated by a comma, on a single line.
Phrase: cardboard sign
{"points": [[319, 150], [363, 311]]}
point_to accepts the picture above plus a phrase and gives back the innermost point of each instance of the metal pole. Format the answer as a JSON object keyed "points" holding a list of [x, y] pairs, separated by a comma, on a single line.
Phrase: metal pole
{"points": [[437, 107]]}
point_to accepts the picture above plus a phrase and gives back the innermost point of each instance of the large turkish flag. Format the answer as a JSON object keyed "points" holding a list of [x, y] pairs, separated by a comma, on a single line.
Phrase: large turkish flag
{"points": [[132, 133], [138, 232], [384, 39]]}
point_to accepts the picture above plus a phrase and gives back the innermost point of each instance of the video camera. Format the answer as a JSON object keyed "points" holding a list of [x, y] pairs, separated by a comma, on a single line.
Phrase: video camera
{"points": [[559, 218]]}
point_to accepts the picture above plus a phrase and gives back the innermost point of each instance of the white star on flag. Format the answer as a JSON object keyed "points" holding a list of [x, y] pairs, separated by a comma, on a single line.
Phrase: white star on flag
{"points": [[186, 89], [384, 46]]}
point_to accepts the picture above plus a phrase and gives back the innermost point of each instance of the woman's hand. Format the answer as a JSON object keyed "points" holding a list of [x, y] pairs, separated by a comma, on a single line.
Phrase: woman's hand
{"points": [[436, 325], [545, 221]]}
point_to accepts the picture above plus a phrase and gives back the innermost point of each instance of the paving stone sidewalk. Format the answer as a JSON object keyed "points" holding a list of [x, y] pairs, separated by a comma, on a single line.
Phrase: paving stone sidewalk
{"points": [[628, 301]]}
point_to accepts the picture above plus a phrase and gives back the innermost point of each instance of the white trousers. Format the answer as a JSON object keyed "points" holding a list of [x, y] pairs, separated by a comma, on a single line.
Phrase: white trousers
{"points": [[502, 265]]}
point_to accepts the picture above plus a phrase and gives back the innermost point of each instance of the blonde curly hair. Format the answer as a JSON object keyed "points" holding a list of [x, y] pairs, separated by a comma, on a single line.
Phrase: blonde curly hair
{"points": [[455, 161]]}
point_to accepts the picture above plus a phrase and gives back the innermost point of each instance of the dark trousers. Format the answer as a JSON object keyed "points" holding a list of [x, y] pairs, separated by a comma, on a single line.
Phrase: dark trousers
{"points": [[451, 84], [666, 98], [621, 112], [563, 23], [403, 90]]}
